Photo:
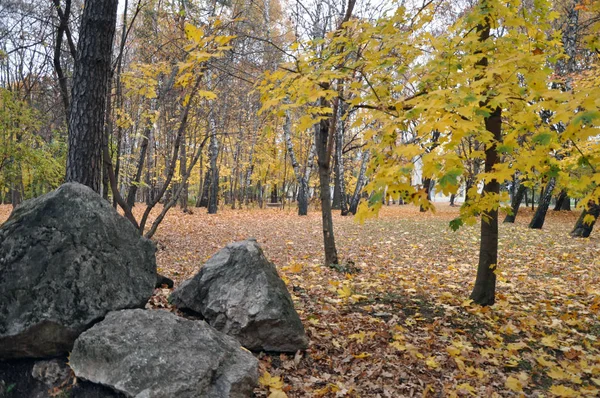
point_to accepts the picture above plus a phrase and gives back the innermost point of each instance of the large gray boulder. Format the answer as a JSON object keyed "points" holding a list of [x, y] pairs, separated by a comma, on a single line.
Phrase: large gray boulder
{"points": [[66, 259], [239, 292], [154, 353]]}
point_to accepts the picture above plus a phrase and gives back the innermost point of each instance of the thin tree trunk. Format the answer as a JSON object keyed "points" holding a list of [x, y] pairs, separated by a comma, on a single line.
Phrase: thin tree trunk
{"points": [[322, 140], [183, 197], [138, 174], [516, 203], [338, 170], [360, 183], [484, 291], [213, 181], [301, 178], [427, 185], [544, 202]]}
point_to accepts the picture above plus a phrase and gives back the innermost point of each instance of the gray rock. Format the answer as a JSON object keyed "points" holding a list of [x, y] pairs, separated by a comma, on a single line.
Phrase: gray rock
{"points": [[239, 292], [51, 373], [154, 353], [66, 259]]}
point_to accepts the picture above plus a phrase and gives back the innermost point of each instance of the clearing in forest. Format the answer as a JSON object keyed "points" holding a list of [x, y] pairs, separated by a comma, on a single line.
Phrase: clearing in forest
{"points": [[395, 320]]}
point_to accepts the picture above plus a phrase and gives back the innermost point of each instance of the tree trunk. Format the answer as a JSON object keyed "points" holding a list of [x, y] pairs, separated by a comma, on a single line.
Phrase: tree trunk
{"points": [[183, 198], [360, 183], [301, 178], [484, 291], [516, 203], [582, 229], [339, 188], [274, 193], [88, 97], [203, 202], [544, 202], [138, 174], [323, 144], [563, 202], [427, 184]]}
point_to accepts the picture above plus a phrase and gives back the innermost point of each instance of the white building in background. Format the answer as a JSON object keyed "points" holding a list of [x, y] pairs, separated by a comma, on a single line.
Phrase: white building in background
{"points": [[436, 195]]}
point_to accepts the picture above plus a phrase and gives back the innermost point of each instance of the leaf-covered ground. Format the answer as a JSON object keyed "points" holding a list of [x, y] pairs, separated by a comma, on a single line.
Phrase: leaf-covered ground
{"points": [[400, 322]]}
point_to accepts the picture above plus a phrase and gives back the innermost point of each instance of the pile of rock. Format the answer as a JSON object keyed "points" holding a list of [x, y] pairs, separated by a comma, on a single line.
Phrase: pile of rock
{"points": [[74, 276]]}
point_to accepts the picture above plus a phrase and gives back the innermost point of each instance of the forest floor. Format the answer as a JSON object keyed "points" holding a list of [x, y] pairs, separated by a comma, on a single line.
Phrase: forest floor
{"points": [[400, 324]]}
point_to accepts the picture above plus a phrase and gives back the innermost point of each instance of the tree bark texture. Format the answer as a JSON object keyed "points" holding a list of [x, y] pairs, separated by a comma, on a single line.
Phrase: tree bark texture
{"points": [[88, 97], [537, 222], [360, 183], [339, 187], [484, 291], [516, 203], [563, 201], [323, 144], [301, 177], [583, 230]]}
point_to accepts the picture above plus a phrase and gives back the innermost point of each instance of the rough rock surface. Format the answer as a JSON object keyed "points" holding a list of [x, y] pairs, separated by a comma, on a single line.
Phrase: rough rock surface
{"points": [[66, 259], [154, 353], [239, 292]]}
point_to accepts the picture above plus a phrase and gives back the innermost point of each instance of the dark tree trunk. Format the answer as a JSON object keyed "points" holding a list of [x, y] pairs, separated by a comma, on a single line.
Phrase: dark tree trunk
{"points": [[516, 203], [303, 198], [213, 196], [138, 174], [427, 184], [566, 204], [563, 202], [183, 198], [323, 145], [88, 97], [582, 229], [63, 27], [203, 202], [484, 291], [537, 222], [274, 193]]}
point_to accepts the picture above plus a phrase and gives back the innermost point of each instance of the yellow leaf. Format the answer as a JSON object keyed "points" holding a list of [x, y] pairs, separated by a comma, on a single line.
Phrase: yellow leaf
{"points": [[362, 355], [558, 374], [432, 363], [295, 268], [514, 384], [466, 387], [398, 346], [344, 292], [544, 362], [266, 380], [360, 337], [207, 94], [550, 341], [453, 351], [564, 391]]}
